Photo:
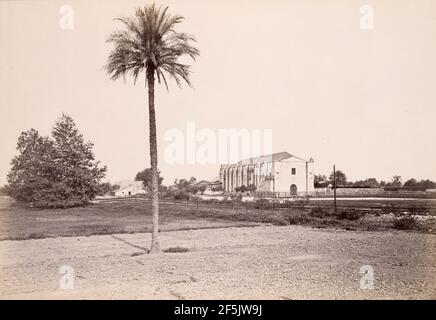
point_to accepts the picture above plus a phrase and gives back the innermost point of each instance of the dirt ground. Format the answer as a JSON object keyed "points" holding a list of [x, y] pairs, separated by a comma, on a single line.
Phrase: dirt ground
{"points": [[261, 262]]}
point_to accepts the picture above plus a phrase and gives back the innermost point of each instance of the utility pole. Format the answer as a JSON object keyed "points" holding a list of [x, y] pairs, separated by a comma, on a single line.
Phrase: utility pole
{"points": [[334, 186]]}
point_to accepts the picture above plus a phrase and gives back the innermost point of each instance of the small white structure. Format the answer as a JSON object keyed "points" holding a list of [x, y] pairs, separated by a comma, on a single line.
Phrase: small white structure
{"points": [[130, 188]]}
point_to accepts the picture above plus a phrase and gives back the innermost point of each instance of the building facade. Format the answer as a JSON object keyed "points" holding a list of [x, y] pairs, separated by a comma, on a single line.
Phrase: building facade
{"points": [[280, 173], [130, 188]]}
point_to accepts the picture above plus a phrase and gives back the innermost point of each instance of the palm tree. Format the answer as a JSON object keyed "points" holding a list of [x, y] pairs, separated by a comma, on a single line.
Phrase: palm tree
{"points": [[148, 43]]}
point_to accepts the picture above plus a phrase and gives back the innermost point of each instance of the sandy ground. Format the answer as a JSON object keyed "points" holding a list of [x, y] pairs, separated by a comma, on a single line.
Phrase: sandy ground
{"points": [[264, 262]]}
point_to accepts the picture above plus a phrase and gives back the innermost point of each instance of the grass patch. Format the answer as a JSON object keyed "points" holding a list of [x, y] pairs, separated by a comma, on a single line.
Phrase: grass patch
{"points": [[21, 223], [176, 250]]}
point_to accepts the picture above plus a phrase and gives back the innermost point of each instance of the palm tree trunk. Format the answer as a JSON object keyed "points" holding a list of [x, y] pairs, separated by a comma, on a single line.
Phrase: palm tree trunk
{"points": [[155, 247]]}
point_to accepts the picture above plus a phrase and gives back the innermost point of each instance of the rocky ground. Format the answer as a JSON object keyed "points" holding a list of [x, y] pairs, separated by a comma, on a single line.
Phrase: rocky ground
{"points": [[262, 262]]}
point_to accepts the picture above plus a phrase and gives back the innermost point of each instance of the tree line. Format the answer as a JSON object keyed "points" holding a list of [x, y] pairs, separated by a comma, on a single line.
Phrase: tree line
{"points": [[322, 181]]}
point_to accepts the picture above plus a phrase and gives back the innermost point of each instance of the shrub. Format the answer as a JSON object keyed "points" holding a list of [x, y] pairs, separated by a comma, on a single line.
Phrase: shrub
{"points": [[241, 189], [278, 221], [319, 212], [405, 223], [390, 209], [349, 214], [417, 209], [236, 197], [298, 219]]}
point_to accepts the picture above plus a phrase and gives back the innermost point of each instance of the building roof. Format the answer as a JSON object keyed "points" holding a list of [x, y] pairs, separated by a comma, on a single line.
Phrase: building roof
{"points": [[128, 183], [279, 156]]}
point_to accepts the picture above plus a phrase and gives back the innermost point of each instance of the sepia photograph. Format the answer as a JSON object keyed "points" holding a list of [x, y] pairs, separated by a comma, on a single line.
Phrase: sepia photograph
{"points": [[238, 151]]}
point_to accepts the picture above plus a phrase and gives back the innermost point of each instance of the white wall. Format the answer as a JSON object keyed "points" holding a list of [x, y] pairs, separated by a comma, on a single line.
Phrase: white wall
{"points": [[284, 177]]}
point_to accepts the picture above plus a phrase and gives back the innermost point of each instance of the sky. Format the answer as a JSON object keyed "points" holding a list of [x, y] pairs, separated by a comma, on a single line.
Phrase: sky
{"points": [[363, 99]]}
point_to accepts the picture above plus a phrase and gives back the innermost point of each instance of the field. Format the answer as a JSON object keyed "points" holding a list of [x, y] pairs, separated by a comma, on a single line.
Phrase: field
{"points": [[20, 223], [213, 252]]}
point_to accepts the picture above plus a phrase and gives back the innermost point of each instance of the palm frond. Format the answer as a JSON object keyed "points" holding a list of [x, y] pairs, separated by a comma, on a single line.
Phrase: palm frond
{"points": [[149, 41]]}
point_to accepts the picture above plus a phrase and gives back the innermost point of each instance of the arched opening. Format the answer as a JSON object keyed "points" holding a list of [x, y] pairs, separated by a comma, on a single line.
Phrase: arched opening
{"points": [[293, 189]]}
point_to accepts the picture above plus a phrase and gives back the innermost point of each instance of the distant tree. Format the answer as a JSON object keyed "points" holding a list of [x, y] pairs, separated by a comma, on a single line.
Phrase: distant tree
{"points": [[411, 183], [146, 177], [184, 184], [427, 184], [106, 188], [58, 172], [395, 182], [367, 183], [341, 178], [320, 181], [181, 184], [423, 184], [198, 188], [5, 190]]}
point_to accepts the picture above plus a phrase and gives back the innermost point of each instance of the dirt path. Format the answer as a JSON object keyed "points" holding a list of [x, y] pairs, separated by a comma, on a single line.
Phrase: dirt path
{"points": [[256, 262]]}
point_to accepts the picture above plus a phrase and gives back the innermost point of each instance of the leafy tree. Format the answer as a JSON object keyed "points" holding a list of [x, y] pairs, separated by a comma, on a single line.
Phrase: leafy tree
{"points": [[79, 172], [341, 178], [423, 184], [411, 183], [107, 188], [58, 172], [184, 184], [367, 183], [395, 182], [427, 184], [33, 169], [198, 188], [146, 177], [149, 43], [320, 181]]}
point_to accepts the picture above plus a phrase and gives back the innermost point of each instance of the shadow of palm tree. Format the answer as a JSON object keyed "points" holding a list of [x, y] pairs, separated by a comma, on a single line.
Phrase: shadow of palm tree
{"points": [[130, 244]]}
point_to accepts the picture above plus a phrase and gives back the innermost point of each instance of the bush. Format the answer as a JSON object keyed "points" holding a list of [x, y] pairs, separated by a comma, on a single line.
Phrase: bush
{"points": [[236, 197], [390, 209], [319, 212], [241, 189], [181, 195], [262, 203], [278, 221], [298, 219], [405, 223], [417, 209], [349, 214]]}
